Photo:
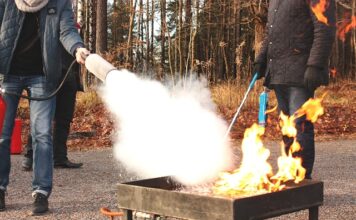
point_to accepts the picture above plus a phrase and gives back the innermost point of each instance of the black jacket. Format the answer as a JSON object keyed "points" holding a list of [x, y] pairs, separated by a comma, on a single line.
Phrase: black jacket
{"points": [[295, 39]]}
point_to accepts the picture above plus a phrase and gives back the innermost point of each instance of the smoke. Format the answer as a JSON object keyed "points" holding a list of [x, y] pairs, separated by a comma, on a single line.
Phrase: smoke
{"points": [[167, 130]]}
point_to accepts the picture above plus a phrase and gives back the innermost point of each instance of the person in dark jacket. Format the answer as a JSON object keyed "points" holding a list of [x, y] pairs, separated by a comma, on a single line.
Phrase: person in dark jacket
{"points": [[65, 105], [294, 61], [32, 33]]}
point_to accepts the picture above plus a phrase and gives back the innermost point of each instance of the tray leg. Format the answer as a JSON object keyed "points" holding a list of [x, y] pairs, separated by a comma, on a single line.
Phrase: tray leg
{"points": [[156, 217], [127, 214], [314, 213]]}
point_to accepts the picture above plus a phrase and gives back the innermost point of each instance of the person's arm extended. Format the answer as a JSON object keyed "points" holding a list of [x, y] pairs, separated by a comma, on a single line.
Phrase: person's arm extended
{"points": [[69, 35], [324, 35]]}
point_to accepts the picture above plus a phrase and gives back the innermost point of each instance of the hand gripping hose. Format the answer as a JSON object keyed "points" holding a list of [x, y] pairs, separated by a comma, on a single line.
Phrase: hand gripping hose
{"points": [[252, 83]]}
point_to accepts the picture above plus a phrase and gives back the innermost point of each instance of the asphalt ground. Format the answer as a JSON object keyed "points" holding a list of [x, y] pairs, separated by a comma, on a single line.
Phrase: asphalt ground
{"points": [[80, 193]]}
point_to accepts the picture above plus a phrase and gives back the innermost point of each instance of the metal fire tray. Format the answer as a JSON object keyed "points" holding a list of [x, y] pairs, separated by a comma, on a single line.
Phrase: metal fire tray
{"points": [[160, 197]]}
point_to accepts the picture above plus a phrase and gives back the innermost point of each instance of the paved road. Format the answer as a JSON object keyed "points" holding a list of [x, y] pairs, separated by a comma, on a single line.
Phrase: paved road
{"points": [[78, 194]]}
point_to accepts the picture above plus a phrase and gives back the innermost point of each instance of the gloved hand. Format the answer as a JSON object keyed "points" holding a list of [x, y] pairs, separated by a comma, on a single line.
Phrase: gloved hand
{"points": [[313, 78], [260, 69], [81, 54]]}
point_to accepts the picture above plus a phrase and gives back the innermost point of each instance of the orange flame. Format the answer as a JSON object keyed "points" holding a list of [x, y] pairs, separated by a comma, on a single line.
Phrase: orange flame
{"points": [[252, 176], [288, 125], [289, 167], [271, 110], [345, 27], [319, 9], [255, 174], [312, 109]]}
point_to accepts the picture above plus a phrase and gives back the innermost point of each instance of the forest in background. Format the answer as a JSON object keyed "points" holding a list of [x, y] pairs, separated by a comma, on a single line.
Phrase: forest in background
{"points": [[215, 39]]}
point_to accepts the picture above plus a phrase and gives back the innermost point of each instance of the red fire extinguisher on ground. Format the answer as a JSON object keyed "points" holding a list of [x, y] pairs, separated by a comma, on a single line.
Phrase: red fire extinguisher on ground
{"points": [[16, 143]]}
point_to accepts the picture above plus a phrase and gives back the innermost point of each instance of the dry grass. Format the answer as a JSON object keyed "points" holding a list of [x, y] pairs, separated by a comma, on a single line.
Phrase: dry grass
{"points": [[341, 93], [338, 120], [88, 99], [230, 94]]}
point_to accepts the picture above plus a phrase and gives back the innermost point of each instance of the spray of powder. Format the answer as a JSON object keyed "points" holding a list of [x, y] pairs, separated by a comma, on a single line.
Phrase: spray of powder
{"points": [[167, 130]]}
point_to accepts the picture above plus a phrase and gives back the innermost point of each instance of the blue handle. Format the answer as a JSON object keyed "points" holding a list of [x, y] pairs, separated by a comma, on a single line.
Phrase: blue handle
{"points": [[262, 117]]}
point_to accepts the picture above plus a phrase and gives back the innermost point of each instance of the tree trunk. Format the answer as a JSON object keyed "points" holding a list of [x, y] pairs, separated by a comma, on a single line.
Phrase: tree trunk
{"points": [[142, 38], [187, 33], [86, 22], [129, 38], [152, 31], [114, 22], [147, 61], [163, 34], [236, 40], [180, 28], [208, 49], [101, 27]]}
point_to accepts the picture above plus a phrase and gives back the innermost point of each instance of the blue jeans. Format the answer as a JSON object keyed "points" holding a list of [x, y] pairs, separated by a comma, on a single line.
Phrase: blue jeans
{"points": [[41, 115], [290, 99]]}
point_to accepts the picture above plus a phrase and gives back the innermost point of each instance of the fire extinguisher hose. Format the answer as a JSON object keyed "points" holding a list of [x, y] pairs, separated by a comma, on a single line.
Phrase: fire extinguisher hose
{"points": [[3, 91], [107, 212], [251, 85]]}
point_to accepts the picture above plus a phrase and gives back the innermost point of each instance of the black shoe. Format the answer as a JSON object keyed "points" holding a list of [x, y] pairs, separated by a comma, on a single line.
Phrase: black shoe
{"points": [[40, 205], [27, 164], [67, 164], [2, 200]]}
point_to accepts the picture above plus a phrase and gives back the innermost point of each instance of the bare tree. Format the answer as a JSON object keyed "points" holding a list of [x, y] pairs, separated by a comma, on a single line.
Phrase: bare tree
{"points": [[133, 4], [163, 33], [101, 27]]}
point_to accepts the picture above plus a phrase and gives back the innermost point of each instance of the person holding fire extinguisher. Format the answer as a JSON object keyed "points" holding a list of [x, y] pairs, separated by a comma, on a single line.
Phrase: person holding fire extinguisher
{"points": [[65, 105], [294, 61], [32, 33]]}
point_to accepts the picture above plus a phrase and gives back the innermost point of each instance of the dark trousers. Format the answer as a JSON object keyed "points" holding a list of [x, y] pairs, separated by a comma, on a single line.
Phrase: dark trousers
{"points": [[290, 99], [65, 104]]}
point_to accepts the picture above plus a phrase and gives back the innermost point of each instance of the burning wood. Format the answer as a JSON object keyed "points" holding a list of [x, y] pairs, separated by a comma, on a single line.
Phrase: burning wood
{"points": [[255, 175]]}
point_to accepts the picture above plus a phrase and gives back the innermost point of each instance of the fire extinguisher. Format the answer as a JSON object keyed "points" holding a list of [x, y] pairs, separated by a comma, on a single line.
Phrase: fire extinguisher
{"points": [[263, 103], [2, 112]]}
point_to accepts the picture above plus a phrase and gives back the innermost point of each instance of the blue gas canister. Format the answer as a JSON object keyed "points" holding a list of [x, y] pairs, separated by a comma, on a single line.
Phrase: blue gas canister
{"points": [[263, 100]]}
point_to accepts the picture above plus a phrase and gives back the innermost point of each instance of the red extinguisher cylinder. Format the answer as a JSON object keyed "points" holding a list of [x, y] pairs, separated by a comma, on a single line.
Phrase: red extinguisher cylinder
{"points": [[16, 141], [2, 112]]}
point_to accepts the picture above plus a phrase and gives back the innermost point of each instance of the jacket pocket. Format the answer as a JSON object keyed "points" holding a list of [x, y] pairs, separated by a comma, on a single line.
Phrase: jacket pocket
{"points": [[295, 69], [300, 44]]}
